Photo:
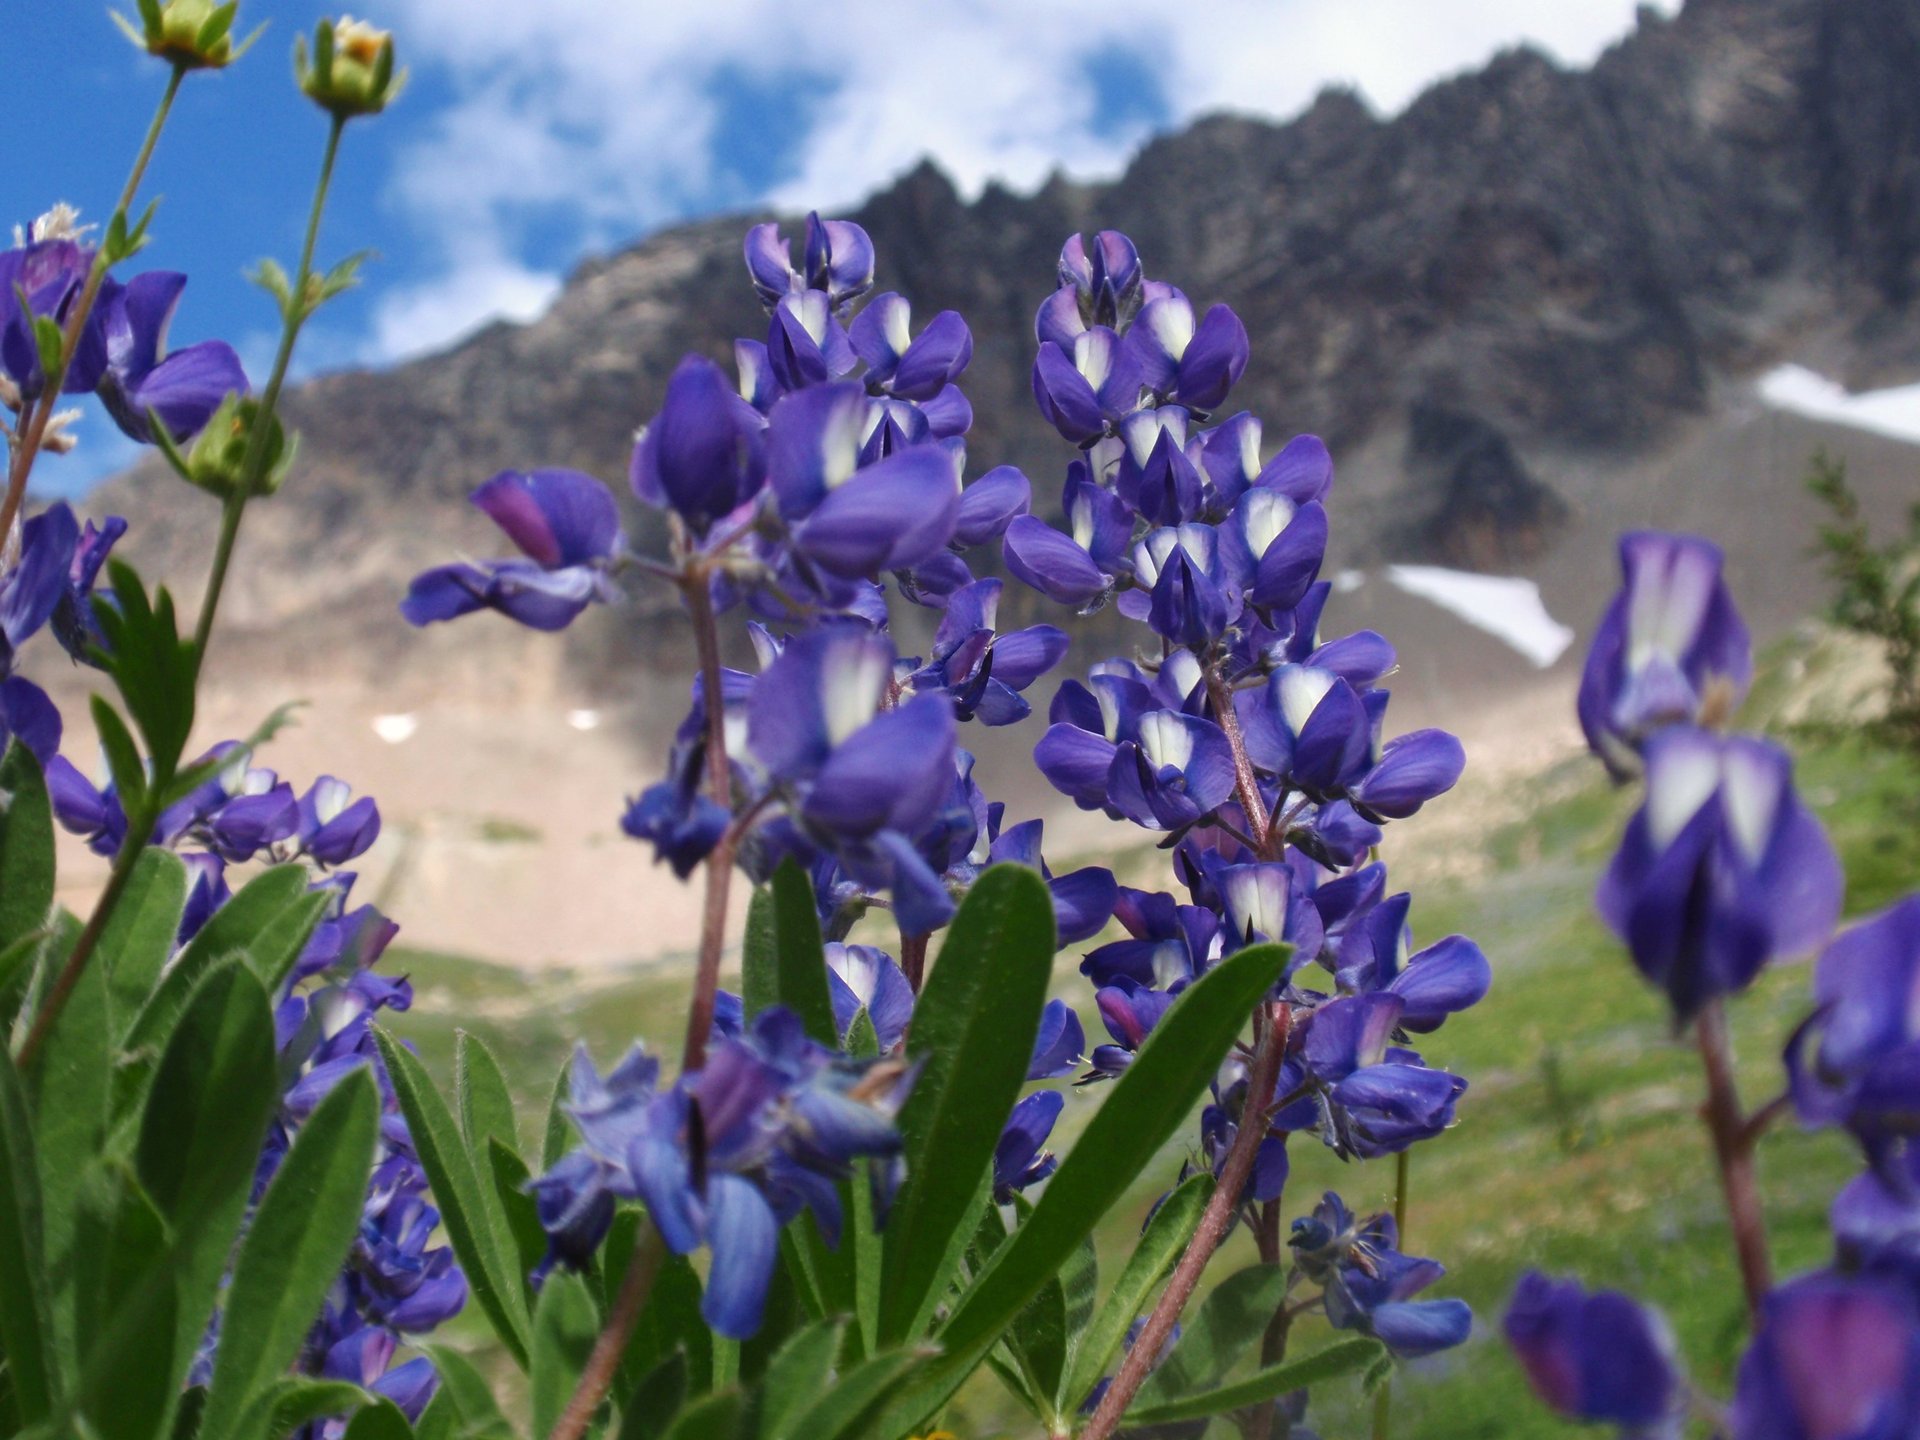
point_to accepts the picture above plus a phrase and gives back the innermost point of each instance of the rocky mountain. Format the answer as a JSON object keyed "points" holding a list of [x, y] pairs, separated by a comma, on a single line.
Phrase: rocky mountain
{"points": [[1508, 309]]}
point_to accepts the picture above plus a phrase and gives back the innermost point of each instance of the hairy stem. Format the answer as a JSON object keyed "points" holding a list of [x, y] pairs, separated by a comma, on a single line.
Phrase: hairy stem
{"points": [[35, 430], [254, 463], [719, 867], [913, 960], [1216, 1221], [603, 1363], [139, 827], [1246, 785], [1733, 1151]]}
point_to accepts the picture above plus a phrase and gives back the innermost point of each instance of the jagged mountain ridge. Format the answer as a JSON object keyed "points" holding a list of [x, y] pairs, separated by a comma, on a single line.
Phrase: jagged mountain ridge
{"points": [[1564, 267]]}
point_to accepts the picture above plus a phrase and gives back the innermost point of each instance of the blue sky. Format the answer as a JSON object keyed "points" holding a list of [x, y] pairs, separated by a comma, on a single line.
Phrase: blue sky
{"points": [[536, 132]]}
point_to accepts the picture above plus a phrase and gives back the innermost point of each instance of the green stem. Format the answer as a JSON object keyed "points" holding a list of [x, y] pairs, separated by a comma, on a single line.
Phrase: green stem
{"points": [[35, 430], [139, 827], [1402, 1178], [253, 465]]}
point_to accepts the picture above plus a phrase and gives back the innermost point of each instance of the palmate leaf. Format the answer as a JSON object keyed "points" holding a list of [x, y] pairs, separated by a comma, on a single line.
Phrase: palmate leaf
{"points": [[488, 1262], [152, 667], [973, 1027], [293, 1250], [1141, 1112]]}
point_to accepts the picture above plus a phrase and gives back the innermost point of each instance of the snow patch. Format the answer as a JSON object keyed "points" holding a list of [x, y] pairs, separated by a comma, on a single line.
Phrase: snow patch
{"points": [[395, 729], [1894, 412], [583, 719], [1506, 607]]}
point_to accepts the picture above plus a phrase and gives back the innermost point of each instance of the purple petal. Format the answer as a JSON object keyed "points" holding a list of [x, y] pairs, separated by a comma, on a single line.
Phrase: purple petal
{"points": [[1051, 563], [1214, 360], [990, 504], [557, 517], [890, 516], [744, 1238]]}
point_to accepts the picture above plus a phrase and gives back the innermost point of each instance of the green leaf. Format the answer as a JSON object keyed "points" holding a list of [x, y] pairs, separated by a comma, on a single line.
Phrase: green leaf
{"points": [[139, 937], [293, 1401], [456, 1190], [797, 1376], [565, 1323], [26, 1298], [480, 1092], [293, 1249], [650, 1406], [379, 1419], [716, 1417], [128, 770], [1344, 1357], [1141, 1112], [26, 847], [1038, 1340], [800, 953], [127, 1315], [1166, 1236], [154, 669], [216, 1088], [18, 962], [271, 277], [1234, 1316], [847, 1411], [471, 1396], [974, 1025], [67, 1092], [509, 1175], [48, 339], [671, 1320], [559, 1133]]}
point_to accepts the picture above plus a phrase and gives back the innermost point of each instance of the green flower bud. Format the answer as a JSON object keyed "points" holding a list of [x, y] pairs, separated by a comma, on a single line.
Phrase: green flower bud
{"points": [[191, 34], [217, 461], [350, 70]]}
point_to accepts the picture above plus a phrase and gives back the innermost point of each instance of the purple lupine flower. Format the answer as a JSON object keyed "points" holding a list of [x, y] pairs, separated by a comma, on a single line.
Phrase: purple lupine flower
{"points": [[1084, 388], [1596, 1356], [1183, 590], [1083, 899], [1671, 648], [1369, 1284], [1406, 772], [860, 977], [567, 526], [838, 258], [1262, 902], [1445, 978], [1275, 547], [1834, 1358], [1311, 728], [1220, 1126], [990, 504], [49, 271], [75, 625], [912, 368], [703, 456], [141, 380], [1170, 943], [1854, 1062], [1721, 870], [1876, 1219], [1178, 771], [32, 589], [334, 829], [1194, 364], [1058, 1043], [1089, 724], [855, 521], [1156, 476], [983, 671], [1021, 1158], [1129, 1011], [1101, 286], [1385, 1108]]}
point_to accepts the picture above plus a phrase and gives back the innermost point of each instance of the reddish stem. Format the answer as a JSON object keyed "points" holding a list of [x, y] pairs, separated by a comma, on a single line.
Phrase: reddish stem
{"points": [[603, 1364], [1216, 1221], [719, 867], [1245, 783], [1733, 1138]]}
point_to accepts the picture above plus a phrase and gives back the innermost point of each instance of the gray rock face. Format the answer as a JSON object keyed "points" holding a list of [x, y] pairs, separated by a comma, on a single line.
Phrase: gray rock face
{"points": [[1530, 268]]}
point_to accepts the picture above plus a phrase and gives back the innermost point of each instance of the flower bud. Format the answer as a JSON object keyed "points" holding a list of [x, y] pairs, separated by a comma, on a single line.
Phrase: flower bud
{"points": [[350, 71], [217, 461], [191, 34]]}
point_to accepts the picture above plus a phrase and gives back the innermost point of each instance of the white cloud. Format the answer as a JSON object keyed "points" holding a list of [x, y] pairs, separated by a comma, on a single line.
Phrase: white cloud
{"points": [[609, 113], [413, 320]]}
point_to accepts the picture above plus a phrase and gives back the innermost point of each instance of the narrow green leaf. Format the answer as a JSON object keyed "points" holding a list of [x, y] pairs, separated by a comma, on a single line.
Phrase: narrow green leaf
{"points": [[1234, 1315], [797, 1376], [759, 967], [1166, 1236], [471, 1396], [650, 1406], [1344, 1357], [1038, 1339], [715, 1417], [509, 1175], [863, 1243], [26, 846], [565, 1323], [800, 953], [66, 1089], [1141, 1112], [293, 1250], [559, 1133], [671, 1320], [139, 936], [847, 1411], [379, 1419], [123, 754], [17, 964], [974, 1027], [456, 1190], [26, 1298], [293, 1401], [127, 1316], [480, 1091], [47, 337]]}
